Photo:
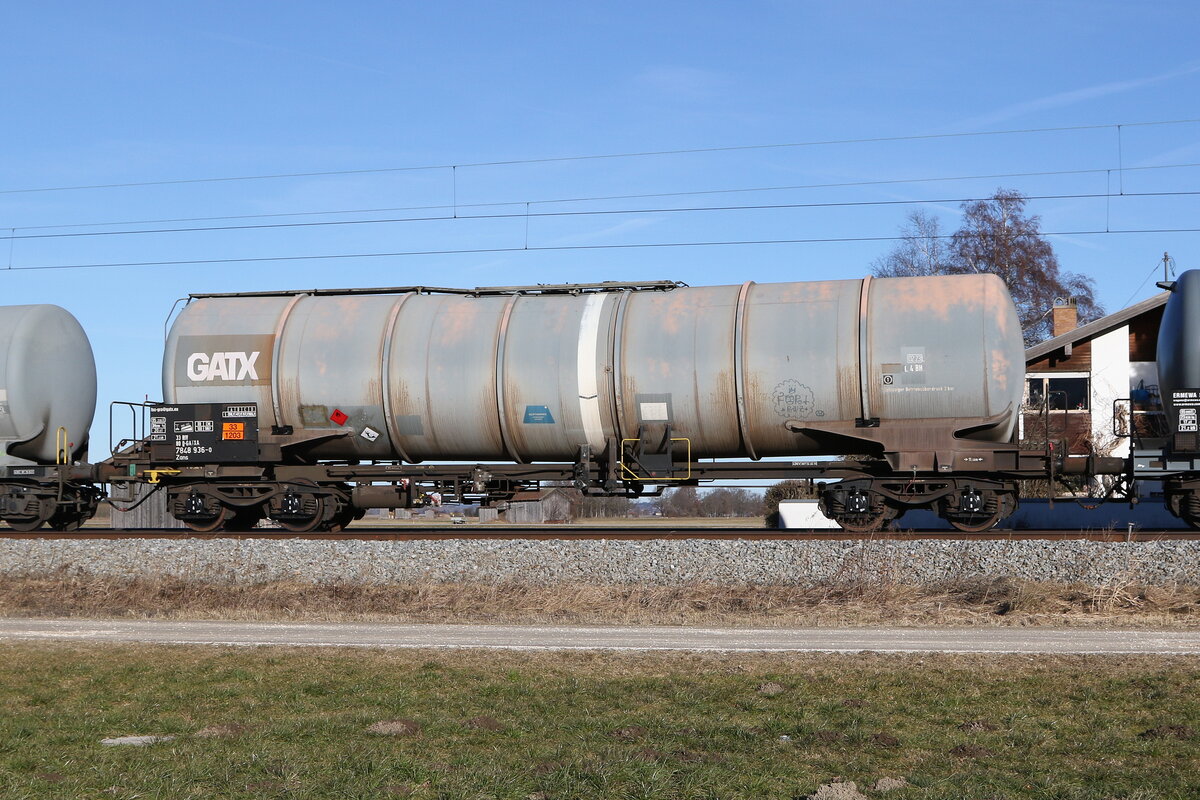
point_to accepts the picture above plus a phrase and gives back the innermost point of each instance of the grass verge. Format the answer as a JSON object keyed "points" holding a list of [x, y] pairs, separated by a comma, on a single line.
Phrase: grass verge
{"points": [[273, 722], [967, 602]]}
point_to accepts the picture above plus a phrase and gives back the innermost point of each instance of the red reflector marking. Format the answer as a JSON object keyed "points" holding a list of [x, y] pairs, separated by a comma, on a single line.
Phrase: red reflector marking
{"points": [[339, 416]]}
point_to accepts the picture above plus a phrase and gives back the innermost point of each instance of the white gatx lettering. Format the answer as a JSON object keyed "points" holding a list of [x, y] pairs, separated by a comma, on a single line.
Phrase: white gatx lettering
{"points": [[216, 367], [248, 368], [203, 367], [197, 367]]}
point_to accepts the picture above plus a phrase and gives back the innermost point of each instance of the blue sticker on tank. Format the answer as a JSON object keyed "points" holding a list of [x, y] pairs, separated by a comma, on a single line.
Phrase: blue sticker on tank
{"points": [[538, 415]]}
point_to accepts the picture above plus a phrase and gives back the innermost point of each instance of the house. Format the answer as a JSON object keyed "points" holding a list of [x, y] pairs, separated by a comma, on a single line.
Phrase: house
{"points": [[1091, 380], [146, 513], [552, 504]]}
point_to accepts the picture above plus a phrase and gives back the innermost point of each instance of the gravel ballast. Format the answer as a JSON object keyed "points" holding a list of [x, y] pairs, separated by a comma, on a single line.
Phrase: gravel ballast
{"points": [[610, 563]]}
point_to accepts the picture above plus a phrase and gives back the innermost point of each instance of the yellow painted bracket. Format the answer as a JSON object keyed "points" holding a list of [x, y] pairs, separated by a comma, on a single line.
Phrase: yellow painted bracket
{"points": [[154, 473], [630, 474]]}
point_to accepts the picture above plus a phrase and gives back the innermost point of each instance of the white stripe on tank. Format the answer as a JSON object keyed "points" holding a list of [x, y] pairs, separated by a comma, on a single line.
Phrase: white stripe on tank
{"points": [[589, 398]]}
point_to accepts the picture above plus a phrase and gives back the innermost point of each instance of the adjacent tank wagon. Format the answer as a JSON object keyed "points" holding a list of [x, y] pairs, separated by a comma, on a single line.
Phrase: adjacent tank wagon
{"points": [[47, 400], [1175, 457]]}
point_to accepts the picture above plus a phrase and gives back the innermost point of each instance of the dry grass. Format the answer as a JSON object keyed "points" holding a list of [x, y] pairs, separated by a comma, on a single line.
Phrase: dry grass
{"points": [[967, 602]]}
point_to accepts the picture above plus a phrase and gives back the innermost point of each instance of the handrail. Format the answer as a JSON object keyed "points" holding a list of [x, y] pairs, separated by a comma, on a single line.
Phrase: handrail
{"points": [[138, 425]]}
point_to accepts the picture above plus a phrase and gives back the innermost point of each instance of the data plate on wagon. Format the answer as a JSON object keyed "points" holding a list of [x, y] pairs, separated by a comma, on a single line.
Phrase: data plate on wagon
{"points": [[25, 472], [204, 432]]}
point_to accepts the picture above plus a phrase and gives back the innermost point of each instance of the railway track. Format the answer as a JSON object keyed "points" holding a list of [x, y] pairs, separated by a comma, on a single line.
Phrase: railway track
{"points": [[542, 533]]}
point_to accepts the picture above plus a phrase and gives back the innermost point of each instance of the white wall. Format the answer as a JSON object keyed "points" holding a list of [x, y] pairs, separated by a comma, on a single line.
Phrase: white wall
{"points": [[1111, 376], [803, 514]]}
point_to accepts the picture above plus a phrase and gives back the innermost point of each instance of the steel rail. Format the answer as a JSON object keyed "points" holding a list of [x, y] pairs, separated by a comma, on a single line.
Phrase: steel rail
{"points": [[553, 532]]}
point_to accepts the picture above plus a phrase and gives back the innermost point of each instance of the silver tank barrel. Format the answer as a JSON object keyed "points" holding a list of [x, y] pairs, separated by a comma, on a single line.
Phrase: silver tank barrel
{"points": [[532, 376], [47, 382]]}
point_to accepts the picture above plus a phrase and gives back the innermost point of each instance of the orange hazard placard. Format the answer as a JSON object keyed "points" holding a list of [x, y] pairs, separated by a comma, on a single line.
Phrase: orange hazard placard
{"points": [[233, 430]]}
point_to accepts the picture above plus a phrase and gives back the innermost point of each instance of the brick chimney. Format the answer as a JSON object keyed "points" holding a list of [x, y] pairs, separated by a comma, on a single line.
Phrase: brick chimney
{"points": [[1065, 316]]}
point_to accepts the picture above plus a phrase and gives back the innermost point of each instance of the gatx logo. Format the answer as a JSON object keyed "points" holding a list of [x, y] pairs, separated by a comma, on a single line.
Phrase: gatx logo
{"points": [[222, 366], [224, 360]]}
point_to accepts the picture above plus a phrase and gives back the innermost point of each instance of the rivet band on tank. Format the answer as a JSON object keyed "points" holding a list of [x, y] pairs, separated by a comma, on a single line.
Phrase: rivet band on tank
{"points": [[864, 355], [617, 356], [276, 399], [389, 418], [739, 369], [498, 358]]}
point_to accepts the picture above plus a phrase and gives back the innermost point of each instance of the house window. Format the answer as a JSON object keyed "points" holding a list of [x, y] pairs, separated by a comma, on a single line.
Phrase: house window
{"points": [[1059, 393]]}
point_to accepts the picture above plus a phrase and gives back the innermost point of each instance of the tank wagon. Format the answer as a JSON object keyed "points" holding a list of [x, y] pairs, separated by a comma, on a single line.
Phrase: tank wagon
{"points": [[309, 407], [47, 400], [1174, 457]]}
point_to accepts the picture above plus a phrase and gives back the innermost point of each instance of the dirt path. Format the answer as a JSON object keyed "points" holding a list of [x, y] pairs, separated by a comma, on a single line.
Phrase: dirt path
{"points": [[512, 637]]}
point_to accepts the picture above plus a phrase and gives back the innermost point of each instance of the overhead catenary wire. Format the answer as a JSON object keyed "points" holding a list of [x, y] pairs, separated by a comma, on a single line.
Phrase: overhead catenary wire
{"points": [[600, 198], [587, 213], [597, 156], [527, 212], [1135, 292], [552, 248]]}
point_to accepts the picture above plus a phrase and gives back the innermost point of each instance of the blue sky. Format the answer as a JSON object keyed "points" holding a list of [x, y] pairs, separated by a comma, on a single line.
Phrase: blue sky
{"points": [[143, 92]]}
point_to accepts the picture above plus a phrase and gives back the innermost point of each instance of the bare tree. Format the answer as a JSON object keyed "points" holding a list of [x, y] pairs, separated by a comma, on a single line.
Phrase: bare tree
{"points": [[683, 501], [727, 502], [922, 250], [996, 236], [605, 507]]}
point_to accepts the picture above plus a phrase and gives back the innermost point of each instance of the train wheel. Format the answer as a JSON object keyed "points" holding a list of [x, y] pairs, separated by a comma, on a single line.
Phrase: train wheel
{"points": [[199, 511], [1186, 506], [39, 511], [344, 517], [857, 508], [209, 525], [867, 522], [975, 523], [300, 511], [77, 506], [978, 511], [25, 525], [306, 524]]}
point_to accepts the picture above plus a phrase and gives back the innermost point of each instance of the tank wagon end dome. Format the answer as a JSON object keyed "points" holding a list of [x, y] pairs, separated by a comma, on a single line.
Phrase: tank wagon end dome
{"points": [[1177, 355], [47, 382]]}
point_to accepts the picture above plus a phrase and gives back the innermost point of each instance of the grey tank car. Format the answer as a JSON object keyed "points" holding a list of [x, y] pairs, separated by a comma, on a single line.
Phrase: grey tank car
{"points": [[308, 407], [743, 371], [47, 401]]}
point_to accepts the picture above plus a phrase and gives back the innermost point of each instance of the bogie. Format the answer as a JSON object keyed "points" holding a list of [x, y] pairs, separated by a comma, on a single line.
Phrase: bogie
{"points": [[62, 506]]}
